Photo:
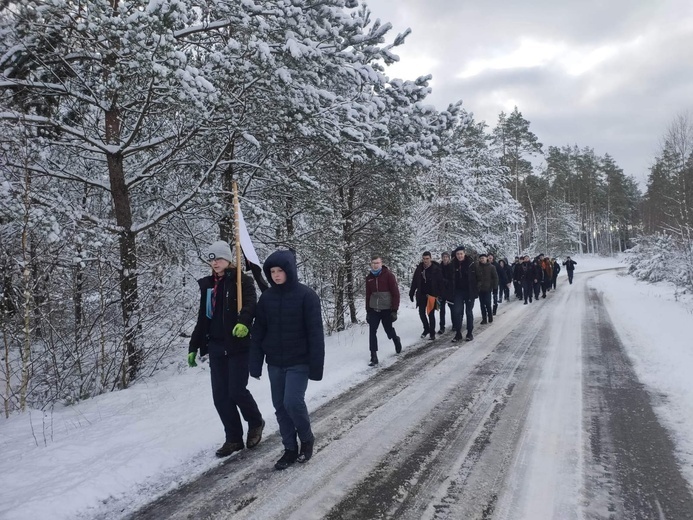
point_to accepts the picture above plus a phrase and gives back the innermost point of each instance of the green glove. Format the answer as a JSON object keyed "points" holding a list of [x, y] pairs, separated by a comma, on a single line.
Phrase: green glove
{"points": [[240, 330], [191, 359]]}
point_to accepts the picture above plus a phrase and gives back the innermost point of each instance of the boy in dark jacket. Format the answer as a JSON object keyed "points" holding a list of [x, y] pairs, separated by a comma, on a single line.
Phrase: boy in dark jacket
{"points": [[556, 269], [382, 304], [570, 268], [486, 280], [446, 295], [288, 333], [222, 332], [426, 283], [464, 290]]}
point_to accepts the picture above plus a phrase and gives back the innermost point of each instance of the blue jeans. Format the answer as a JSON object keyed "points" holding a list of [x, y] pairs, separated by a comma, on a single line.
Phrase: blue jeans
{"points": [[229, 382], [288, 386], [462, 305]]}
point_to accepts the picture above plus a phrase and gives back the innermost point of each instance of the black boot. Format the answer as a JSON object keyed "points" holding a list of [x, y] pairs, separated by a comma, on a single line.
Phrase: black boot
{"points": [[495, 308], [306, 451], [374, 359], [398, 344], [289, 457]]}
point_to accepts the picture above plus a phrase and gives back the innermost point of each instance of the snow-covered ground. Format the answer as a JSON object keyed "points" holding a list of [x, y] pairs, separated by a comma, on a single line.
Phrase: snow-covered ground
{"points": [[129, 447]]}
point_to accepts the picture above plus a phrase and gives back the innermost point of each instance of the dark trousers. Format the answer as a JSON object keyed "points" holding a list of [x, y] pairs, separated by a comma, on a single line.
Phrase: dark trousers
{"points": [[553, 280], [229, 382], [485, 303], [570, 276], [518, 289], [494, 292], [537, 289], [374, 318], [527, 290], [505, 290], [427, 320], [442, 313], [463, 305], [288, 385]]}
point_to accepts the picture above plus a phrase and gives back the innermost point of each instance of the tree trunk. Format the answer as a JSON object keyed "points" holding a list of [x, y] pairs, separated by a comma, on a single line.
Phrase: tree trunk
{"points": [[26, 280], [129, 297]]}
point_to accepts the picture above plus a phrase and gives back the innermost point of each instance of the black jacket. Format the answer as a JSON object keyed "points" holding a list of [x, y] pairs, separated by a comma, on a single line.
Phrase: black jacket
{"points": [[288, 323], [447, 292], [219, 328], [570, 265], [426, 282], [465, 271]]}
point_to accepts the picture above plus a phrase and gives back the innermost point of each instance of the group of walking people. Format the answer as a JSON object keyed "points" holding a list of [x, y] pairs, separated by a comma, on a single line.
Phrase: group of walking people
{"points": [[282, 328], [453, 285]]}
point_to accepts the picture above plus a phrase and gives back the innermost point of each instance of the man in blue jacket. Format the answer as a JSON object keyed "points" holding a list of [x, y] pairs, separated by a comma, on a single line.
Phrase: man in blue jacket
{"points": [[288, 333]]}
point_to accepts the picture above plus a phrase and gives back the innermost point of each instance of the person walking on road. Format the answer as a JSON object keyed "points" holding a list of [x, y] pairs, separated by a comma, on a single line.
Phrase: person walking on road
{"points": [[464, 293], [288, 334], [446, 296], [556, 269], [570, 268], [382, 304], [486, 280], [425, 286], [221, 332]]}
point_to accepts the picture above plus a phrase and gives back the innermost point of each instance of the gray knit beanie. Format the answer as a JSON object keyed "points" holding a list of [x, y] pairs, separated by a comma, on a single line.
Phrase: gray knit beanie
{"points": [[220, 249]]}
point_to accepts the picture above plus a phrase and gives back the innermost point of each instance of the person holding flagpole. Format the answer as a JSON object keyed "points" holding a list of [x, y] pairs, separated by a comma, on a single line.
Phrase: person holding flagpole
{"points": [[225, 316]]}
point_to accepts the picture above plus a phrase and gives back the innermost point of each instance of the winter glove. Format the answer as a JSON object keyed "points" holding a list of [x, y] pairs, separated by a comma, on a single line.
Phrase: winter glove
{"points": [[394, 315], [191, 359], [240, 330], [411, 297]]}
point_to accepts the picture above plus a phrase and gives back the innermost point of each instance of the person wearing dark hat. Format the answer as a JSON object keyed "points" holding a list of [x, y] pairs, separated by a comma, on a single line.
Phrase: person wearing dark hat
{"points": [[486, 280], [425, 286], [446, 296], [221, 332], [288, 334], [464, 290]]}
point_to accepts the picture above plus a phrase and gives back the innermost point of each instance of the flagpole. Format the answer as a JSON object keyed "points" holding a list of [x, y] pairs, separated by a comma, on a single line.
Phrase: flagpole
{"points": [[237, 238]]}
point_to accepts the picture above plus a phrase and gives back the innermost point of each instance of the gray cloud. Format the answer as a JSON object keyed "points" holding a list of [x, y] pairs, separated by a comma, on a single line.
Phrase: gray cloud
{"points": [[607, 75]]}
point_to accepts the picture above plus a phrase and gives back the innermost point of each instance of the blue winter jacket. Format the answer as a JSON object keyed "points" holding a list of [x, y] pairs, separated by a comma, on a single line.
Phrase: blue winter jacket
{"points": [[288, 322]]}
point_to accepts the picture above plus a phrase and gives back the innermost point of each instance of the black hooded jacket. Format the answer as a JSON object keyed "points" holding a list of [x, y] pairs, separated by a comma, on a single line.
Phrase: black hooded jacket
{"points": [[288, 322]]}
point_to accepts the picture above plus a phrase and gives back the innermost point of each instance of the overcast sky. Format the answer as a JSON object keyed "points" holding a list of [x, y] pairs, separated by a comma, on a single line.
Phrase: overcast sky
{"points": [[608, 74]]}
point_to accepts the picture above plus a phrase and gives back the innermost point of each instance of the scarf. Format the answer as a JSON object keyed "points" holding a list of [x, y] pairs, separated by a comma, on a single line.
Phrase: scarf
{"points": [[217, 281]]}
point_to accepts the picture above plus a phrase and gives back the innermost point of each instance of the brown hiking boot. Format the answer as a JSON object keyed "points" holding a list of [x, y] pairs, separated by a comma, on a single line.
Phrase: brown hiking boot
{"points": [[228, 448], [255, 435]]}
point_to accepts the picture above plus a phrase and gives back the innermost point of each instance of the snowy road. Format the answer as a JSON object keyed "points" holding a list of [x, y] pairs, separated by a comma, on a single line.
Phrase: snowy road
{"points": [[538, 418]]}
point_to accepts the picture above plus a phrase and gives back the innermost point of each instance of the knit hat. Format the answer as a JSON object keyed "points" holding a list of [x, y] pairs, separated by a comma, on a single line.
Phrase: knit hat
{"points": [[220, 249], [458, 248], [482, 254]]}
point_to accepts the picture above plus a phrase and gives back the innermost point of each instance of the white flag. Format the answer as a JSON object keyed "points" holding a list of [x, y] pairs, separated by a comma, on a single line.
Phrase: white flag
{"points": [[246, 244]]}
